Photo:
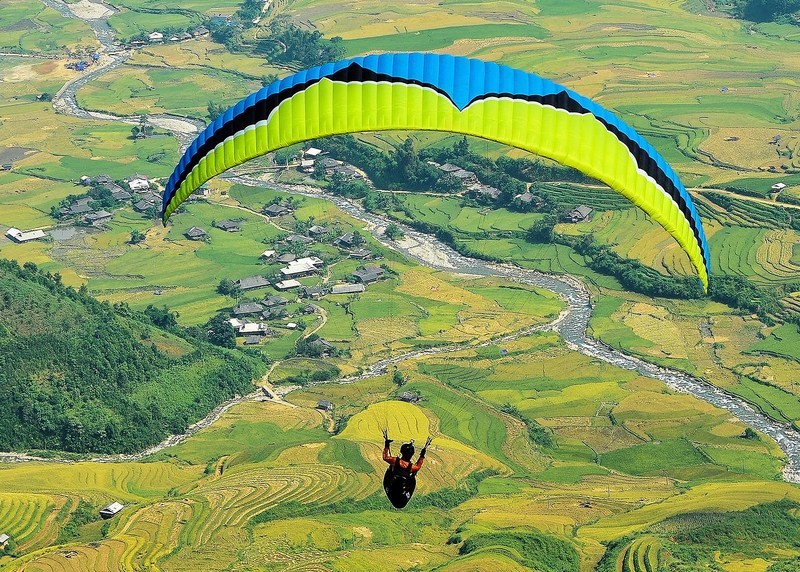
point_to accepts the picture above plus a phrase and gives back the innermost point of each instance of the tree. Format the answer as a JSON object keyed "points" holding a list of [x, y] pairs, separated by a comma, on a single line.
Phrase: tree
{"points": [[268, 79], [750, 434], [214, 110], [220, 332], [162, 317], [398, 378], [393, 232], [543, 230], [136, 237], [358, 240], [228, 287]]}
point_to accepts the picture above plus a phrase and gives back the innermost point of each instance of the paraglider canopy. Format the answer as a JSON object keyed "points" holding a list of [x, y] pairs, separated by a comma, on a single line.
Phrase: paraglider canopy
{"points": [[446, 93]]}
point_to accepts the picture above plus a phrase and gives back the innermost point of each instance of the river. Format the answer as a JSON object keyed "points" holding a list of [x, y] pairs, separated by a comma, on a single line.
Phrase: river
{"points": [[427, 250]]}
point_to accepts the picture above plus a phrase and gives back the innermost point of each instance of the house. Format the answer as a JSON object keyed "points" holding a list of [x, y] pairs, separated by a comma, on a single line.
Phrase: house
{"points": [[527, 198], [466, 177], [200, 32], [347, 172], [194, 233], [138, 183], [248, 308], [310, 309], [302, 267], [778, 187], [185, 36], [287, 284], [291, 326], [143, 205], [202, 192], [307, 165], [286, 258], [146, 202], [79, 207], [236, 323], [6, 166], [229, 225], [325, 406], [118, 193], [312, 292], [449, 168], [274, 313], [316, 231], [276, 210], [272, 301], [3, 539], [579, 214], [410, 397], [18, 236], [156, 37], [360, 254], [252, 282], [296, 270], [347, 240], [104, 179], [111, 510], [347, 288], [267, 255], [254, 328], [485, 191], [324, 347], [312, 152], [84, 180], [368, 274], [253, 340], [298, 239], [99, 218]]}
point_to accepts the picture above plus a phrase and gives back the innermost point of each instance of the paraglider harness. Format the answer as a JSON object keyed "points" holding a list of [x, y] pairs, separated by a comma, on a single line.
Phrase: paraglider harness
{"points": [[400, 478]]}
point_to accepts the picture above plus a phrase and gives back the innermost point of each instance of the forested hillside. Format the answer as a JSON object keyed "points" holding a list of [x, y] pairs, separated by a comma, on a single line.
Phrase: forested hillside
{"points": [[766, 10], [84, 376]]}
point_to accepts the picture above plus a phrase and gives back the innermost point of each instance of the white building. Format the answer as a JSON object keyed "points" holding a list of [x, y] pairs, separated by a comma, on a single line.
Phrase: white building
{"points": [[254, 328], [156, 37], [778, 187], [139, 184], [4, 538], [19, 236], [111, 510], [287, 284], [302, 267], [312, 152]]}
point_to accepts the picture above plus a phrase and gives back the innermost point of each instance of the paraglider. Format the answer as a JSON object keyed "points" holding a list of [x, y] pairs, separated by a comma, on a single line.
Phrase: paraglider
{"points": [[454, 94], [400, 478]]}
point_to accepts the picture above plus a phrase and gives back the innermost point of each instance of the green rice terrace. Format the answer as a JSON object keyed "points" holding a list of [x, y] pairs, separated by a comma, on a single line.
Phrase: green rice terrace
{"points": [[226, 378]]}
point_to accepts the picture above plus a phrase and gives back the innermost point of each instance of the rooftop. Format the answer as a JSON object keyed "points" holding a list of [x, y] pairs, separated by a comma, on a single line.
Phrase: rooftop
{"points": [[347, 288]]}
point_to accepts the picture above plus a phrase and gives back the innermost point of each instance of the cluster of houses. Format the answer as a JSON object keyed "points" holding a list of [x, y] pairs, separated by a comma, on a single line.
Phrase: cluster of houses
{"points": [[82, 210], [247, 318], [158, 37], [313, 157], [139, 192], [469, 181]]}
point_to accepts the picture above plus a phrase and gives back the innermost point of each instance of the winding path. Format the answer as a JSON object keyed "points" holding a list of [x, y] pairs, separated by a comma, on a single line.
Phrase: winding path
{"points": [[571, 324]]}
